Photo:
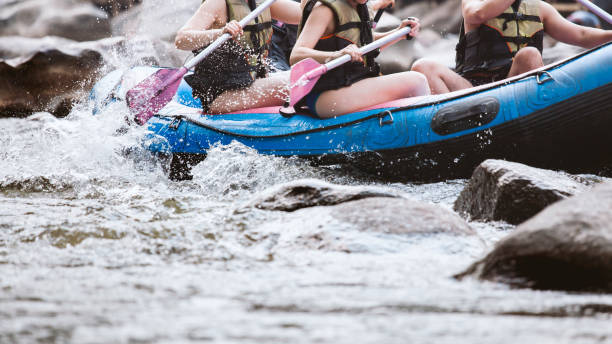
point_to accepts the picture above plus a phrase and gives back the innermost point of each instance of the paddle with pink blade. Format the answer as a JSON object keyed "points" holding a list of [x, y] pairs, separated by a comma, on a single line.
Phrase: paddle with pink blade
{"points": [[306, 73], [156, 91], [597, 10]]}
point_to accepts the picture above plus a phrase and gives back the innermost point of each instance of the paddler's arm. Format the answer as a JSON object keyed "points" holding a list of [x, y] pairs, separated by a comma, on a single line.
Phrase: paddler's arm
{"points": [[414, 31], [320, 22], [476, 12], [565, 31], [287, 11], [197, 32]]}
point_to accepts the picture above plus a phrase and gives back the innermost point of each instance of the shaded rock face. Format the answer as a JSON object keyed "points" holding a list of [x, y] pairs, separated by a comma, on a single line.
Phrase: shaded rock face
{"points": [[64, 18], [568, 246], [44, 82], [311, 192], [512, 192], [49, 74]]}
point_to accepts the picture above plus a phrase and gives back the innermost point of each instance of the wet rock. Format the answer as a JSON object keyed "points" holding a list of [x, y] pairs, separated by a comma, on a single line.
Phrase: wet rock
{"points": [[80, 21], [399, 216], [337, 227], [568, 246], [311, 192], [512, 192], [50, 76]]}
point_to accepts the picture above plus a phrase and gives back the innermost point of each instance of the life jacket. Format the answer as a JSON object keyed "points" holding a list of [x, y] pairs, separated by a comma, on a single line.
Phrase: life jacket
{"points": [[353, 26], [492, 46], [238, 62]]}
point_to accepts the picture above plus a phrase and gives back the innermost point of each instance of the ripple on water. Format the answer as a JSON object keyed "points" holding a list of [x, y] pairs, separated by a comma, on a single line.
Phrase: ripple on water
{"points": [[97, 246]]}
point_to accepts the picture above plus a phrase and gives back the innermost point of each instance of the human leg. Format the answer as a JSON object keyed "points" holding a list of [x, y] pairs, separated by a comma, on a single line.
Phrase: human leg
{"points": [[371, 91], [441, 79], [526, 59], [270, 91]]}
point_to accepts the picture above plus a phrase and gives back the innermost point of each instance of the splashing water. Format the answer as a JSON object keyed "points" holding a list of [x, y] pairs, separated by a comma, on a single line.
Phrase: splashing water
{"points": [[97, 245]]}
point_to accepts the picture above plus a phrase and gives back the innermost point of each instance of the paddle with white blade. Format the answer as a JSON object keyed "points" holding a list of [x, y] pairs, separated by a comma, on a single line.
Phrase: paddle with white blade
{"points": [[153, 93], [306, 73], [597, 10]]}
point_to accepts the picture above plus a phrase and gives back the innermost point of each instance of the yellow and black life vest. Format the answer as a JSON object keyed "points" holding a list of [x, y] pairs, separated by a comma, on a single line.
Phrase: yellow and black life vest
{"points": [[237, 63], [492, 46], [352, 26], [257, 36]]}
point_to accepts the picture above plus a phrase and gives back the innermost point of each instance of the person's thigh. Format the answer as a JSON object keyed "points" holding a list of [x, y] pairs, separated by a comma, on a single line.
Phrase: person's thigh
{"points": [[371, 91]]}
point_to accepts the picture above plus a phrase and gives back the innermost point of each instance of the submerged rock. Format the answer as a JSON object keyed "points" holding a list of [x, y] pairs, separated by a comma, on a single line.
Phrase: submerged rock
{"points": [[311, 192], [512, 192], [568, 246], [73, 19], [399, 216]]}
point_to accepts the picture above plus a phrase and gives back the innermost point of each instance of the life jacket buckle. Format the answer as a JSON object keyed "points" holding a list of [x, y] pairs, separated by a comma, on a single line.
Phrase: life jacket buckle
{"points": [[383, 115]]}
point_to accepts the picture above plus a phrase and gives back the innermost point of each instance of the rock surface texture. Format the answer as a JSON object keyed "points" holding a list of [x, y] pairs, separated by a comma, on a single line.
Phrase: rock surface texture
{"points": [[512, 192], [568, 246], [76, 20], [311, 192]]}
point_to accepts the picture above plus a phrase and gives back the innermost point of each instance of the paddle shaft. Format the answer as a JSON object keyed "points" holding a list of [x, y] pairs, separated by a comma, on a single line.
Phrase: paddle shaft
{"points": [[366, 49], [597, 10], [226, 36]]}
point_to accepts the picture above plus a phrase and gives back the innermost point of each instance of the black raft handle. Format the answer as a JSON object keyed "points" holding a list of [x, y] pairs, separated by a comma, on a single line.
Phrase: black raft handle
{"points": [[458, 117]]}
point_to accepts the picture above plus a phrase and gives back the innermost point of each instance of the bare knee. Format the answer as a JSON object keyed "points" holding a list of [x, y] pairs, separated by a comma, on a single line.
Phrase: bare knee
{"points": [[424, 66], [529, 57], [413, 84]]}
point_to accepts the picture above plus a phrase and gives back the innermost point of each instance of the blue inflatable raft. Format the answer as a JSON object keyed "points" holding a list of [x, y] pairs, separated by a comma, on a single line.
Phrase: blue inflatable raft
{"points": [[559, 116]]}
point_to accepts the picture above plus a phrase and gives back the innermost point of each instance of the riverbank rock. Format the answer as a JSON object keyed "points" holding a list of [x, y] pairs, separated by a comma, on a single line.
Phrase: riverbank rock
{"points": [[49, 74], [312, 192], [512, 192], [76, 20], [568, 246]]}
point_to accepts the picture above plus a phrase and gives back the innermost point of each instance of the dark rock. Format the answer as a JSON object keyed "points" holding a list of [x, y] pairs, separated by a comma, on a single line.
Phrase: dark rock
{"points": [[64, 18], [568, 246], [444, 18], [50, 76], [311, 192], [512, 192]]}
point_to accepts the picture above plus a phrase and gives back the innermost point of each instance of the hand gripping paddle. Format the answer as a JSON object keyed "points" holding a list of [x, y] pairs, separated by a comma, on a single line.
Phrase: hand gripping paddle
{"points": [[306, 73], [153, 93]]}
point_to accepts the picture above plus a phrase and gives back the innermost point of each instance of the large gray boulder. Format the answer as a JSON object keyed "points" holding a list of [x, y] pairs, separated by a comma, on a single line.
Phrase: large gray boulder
{"points": [[73, 19], [513, 192], [568, 246], [312, 192]]}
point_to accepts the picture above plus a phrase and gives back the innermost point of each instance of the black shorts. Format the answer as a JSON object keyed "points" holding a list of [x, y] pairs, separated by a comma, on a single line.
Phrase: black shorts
{"points": [[478, 78]]}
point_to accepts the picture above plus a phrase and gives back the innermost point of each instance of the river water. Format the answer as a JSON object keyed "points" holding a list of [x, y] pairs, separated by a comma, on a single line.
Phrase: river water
{"points": [[98, 246]]}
